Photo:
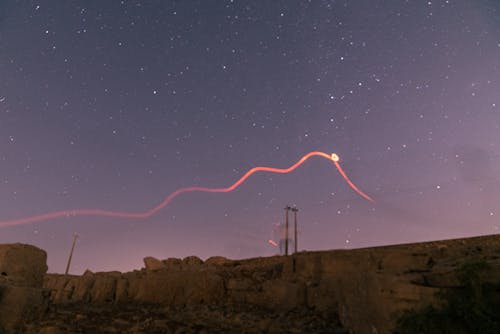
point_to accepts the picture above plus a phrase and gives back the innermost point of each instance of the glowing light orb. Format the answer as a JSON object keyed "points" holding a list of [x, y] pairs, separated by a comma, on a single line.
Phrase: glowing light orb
{"points": [[335, 157]]}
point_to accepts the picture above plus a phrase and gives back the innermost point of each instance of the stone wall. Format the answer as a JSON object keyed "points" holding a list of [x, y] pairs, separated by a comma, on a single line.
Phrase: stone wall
{"points": [[366, 288]]}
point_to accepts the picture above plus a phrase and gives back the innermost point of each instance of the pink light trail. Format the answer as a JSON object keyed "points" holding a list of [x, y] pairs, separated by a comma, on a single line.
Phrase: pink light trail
{"points": [[142, 215], [272, 242]]}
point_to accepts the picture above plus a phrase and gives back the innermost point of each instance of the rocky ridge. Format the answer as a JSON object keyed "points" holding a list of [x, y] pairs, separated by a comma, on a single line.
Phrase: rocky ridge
{"points": [[361, 290]]}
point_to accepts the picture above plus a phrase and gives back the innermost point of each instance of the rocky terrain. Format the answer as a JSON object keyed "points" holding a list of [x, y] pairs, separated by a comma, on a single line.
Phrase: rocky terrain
{"points": [[339, 291]]}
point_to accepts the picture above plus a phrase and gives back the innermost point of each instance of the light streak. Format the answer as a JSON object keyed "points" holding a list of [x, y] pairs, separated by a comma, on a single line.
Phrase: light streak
{"points": [[272, 242], [335, 158], [146, 214]]}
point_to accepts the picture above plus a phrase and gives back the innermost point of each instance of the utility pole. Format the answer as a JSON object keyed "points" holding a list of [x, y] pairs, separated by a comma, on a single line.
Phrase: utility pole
{"points": [[75, 236], [295, 210], [287, 209]]}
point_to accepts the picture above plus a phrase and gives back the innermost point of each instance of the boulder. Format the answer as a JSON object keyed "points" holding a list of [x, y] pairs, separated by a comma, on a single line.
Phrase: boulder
{"points": [[153, 264], [132, 288], [88, 272], [217, 260], [24, 264], [173, 263], [20, 303], [56, 284], [103, 289], [121, 291], [22, 269], [192, 261], [82, 289]]}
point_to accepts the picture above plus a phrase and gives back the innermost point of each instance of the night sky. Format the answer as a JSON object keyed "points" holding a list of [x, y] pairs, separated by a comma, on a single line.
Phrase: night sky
{"points": [[114, 105]]}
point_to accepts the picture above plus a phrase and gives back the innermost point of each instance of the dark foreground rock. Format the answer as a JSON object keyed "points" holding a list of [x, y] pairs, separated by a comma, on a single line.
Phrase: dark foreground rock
{"points": [[24, 265], [361, 290], [22, 298], [367, 289], [86, 318]]}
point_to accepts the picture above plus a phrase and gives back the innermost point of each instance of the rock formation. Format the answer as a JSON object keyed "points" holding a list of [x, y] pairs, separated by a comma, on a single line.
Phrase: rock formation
{"points": [[153, 264], [22, 270], [25, 264], [362, 291]]}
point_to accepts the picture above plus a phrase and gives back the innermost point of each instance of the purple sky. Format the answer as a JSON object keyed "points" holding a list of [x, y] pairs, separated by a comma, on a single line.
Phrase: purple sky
{"points": [[114, 105]]}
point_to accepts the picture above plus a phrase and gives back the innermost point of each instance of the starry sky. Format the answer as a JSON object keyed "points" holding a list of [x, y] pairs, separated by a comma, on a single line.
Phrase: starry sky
{"points": [[116, 104]]}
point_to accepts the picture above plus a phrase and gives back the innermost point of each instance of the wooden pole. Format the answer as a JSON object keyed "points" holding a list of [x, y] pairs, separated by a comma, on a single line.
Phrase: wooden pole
{"points": [[295, 210], [287, 209], [75, 236]]}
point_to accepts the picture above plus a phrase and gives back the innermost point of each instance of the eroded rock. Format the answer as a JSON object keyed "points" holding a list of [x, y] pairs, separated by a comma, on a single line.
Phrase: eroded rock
{"points": [[192, 261], [217, 260], [22, 270], [173, 264], [367, 289], [153, 264], [24, 264]]}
